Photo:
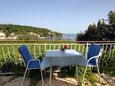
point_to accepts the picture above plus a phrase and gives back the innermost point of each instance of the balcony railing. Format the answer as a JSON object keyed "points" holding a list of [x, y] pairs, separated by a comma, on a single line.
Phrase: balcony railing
{"points": [[9, 52]]}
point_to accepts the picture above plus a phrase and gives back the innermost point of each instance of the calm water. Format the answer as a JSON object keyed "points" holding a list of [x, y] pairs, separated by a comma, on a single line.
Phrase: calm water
{"points": [[69, 36]]}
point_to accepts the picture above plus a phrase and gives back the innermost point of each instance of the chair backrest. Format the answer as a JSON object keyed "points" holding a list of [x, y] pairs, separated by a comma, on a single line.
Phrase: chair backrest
{"points": [[93, 51], [25, 53]]}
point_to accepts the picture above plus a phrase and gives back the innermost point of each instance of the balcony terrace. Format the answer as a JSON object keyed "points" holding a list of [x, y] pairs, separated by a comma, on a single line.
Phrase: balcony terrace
{"points": [[10, 59]]}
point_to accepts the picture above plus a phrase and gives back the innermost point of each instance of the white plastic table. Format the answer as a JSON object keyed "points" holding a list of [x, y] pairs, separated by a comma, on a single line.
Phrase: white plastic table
{"points": [[62, 58]]}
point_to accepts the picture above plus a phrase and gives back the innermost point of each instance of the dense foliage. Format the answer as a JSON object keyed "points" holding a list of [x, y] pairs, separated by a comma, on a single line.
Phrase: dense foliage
{"points": [[104, 30], [9, 29]]}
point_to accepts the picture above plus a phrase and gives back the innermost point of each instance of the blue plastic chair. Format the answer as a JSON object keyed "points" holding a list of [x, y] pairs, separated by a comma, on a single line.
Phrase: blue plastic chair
{"points": [[29, 62], [94, 52]]}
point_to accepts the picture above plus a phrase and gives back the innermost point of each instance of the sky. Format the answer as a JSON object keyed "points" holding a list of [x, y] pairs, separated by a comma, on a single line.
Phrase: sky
{"points": [[65, 16]]}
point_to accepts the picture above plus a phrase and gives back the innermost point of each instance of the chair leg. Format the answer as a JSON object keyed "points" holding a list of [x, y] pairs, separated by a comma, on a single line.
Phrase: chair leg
{"points": [[98, 69], [42, 77], [27, 73], [77, 72], [84, 75], [24, 77], [50, 76]]}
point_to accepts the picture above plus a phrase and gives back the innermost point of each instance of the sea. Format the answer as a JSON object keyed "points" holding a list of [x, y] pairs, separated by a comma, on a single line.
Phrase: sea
{"points": [[69, 36]]}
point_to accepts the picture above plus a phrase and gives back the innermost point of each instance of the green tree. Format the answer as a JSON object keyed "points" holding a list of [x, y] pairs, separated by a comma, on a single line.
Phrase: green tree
{"points": [[91, 33], [100, 31], [111, 16], [7, 32]]}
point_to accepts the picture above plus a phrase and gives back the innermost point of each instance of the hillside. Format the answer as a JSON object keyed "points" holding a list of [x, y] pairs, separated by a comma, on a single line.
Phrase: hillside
{"points": [[20, 31]]}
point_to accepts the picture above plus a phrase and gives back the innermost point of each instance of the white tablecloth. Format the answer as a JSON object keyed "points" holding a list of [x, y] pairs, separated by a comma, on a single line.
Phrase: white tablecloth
{"points": [[62, 58]]}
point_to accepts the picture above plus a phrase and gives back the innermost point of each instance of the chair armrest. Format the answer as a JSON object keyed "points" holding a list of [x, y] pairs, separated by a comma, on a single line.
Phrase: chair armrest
{"points": [[33, 60], [94, 57]]}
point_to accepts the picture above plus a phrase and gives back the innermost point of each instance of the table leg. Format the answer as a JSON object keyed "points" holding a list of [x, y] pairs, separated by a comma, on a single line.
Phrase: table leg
{"points": [[50, 82], [77, 71]]}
